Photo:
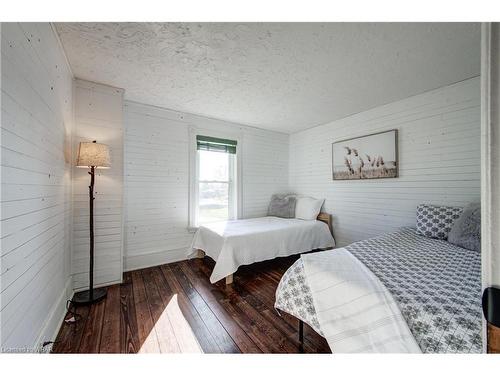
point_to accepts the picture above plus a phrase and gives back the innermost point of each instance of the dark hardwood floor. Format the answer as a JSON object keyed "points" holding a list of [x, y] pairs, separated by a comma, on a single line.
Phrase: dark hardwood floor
{"points": [[174, 308]]}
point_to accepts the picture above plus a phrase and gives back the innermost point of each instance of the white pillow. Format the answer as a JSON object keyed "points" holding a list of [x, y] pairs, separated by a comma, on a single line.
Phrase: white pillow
{"points": [[308, 208]]}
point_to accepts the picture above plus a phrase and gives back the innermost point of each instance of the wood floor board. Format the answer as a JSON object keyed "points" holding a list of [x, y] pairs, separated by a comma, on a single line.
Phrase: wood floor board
{"points": [[145, 325], [264, 303], [157, 306], [91, 338], [222, 293], [110, 341], [129, 339], [186, 340], [205, 338], [70, 334], [235, 296], [260, 294], [174, 308], [205, 289], [251, 327], [219, 333], [280, 343]]}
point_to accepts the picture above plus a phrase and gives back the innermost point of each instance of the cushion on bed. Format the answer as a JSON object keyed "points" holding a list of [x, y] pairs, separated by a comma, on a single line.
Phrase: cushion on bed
{"points": [[282, 205], [466, 231], [436, 221], [308, 208]]}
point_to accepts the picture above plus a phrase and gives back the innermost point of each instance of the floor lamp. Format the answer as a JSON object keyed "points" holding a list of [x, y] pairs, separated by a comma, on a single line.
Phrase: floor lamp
{"points": [[91, 155]]}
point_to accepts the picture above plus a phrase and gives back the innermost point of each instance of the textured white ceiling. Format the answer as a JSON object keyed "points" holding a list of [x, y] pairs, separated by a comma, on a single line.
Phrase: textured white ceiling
{"points": [[279, 76]]}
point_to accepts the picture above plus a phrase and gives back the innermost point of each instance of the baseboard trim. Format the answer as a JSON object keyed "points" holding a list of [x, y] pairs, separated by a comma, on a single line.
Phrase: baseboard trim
{"points": [[55, 318], [156, 258]]}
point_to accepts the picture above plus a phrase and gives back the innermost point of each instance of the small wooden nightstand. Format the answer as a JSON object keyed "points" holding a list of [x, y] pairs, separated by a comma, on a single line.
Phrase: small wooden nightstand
{"points": [[326, 218], [493, 339]]}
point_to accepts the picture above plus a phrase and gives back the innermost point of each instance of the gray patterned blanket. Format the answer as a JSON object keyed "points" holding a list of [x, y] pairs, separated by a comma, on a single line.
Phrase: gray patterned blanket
{"points": [[436, 285]]}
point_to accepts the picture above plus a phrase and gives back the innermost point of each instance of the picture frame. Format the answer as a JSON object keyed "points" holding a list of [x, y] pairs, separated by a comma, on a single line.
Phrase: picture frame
{"points": [[371, 156]]}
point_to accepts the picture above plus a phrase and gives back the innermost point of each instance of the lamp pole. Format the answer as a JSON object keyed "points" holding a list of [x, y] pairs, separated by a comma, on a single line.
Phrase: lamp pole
{"points": [[87, 157]]}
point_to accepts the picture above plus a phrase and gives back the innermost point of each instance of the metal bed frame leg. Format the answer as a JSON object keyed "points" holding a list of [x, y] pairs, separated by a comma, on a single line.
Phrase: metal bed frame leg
{"points": [[301, 336]]}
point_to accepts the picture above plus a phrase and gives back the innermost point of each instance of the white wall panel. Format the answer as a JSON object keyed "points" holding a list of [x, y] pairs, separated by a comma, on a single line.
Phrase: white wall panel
{"points": [[98, 116], [490, 134], [36, 121], [439, 160], [157, 178]]}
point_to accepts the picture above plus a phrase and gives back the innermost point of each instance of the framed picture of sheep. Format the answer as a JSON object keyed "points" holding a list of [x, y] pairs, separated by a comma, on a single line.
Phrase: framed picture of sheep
{"points": [[366, 157]]}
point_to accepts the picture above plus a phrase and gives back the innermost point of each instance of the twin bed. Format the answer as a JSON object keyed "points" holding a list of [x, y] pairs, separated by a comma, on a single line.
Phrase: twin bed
{"points": [[426, 295], [239, 242], [399, 292]]}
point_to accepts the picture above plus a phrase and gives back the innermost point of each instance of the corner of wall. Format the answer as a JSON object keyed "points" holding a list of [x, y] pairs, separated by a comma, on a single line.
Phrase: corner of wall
{"points": [[98, 112], [55, 318]]}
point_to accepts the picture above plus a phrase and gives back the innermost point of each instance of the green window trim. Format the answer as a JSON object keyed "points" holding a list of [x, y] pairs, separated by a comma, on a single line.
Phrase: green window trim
{"points": [[215, 144]]}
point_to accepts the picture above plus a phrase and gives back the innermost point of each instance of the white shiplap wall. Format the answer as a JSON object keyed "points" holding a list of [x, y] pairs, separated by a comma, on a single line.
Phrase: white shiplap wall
{"points": [[36, 184], [98, 116], [157, 178], [439, 159], [490, 134]]}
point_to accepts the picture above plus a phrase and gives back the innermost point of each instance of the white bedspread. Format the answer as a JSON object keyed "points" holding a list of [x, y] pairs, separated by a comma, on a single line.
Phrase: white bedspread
{"points": [[356, 312], [239, 242]]}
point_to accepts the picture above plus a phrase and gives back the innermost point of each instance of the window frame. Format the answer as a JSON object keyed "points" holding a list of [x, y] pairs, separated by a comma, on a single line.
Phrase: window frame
{"points": [[235, 175]]}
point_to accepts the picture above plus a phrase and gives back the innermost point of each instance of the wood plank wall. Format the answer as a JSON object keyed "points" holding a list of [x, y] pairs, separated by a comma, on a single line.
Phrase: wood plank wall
{"points": [[490, 95], [439, 159], [98, 116], [36, 125], [157, 179]]}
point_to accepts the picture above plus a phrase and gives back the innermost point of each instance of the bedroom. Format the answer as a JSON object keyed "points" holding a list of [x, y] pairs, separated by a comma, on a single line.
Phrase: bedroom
{"points": [[177, 187]]}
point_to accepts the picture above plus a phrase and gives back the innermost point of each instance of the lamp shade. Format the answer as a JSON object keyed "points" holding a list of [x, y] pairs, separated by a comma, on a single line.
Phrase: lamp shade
{"points": [[92, 154]]}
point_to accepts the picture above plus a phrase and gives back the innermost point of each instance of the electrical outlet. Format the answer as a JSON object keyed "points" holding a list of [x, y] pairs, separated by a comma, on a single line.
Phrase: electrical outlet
{"points": [[45, 348]]}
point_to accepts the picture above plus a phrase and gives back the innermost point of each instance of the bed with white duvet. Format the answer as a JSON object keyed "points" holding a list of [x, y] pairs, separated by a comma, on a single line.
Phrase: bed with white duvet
{"points": [[240, 242]]}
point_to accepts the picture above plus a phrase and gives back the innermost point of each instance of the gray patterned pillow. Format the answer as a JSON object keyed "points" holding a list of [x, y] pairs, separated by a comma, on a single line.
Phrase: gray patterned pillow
{"points": [[436, 221], [282, 205], [466, 231]]}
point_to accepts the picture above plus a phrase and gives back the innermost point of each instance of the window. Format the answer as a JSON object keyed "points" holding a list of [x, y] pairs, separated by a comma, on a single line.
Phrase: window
{"points": [[215, 181]]}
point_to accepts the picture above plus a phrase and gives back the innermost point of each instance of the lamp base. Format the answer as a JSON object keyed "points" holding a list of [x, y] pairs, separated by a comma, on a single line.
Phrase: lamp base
{"points": [[83, 298]]}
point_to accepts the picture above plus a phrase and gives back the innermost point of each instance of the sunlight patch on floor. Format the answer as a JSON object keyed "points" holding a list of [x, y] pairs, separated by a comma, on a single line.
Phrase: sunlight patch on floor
{"points": [[171, 333]]}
